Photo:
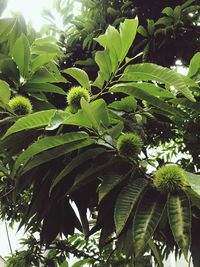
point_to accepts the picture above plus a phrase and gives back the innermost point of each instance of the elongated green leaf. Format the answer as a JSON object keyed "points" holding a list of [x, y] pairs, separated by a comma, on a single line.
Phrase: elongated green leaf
{"points": [[21, 54], [139, 93], [41, 60], [92, 174], [6, 26], [79, 75], [126, 202], [128, 30], [56, 152], [76, 162], [193, 196], [149, 71], [36, 120], [47, 143], [147, 217], [109, 182], [4, 93], [179, 213], [194, 181], [156, 252], [44, 87], [194, 67]]}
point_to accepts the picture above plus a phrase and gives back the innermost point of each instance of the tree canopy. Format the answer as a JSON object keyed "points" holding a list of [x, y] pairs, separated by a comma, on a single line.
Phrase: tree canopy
{"points": [[100, 137]]}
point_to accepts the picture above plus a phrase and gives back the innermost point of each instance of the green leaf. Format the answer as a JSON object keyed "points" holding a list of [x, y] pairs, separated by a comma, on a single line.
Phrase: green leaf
{"points": [[56, 152], [79, 75], [58, 118], [116, 130], [128, 30], [105, 68], [156, 252], [96, 112], [47, 143], [126, 201], [43, 75], [194, 181], [76, 162], [141, 30], [111, 40], [41, 60], [168, 11], [138, 91], [36, 120], [43, 87], [109, 182], [4, 93], [147, 217], [92, 173], [179, 213], [21, 54], [6, 26], [64, 264], [149, 71], [79, 119], [194, 67], [127, 104], [193, 196]]}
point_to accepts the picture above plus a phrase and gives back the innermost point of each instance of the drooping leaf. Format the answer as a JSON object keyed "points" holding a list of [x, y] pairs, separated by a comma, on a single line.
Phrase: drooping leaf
{"points": [[194, 181], [179, 213], [156, 253], [193, 196], [76, 162], [21, 54], [149, 71], [109, 182], [147, 217], [92, 174], [36, 120], [79, 75], [126, 201]]}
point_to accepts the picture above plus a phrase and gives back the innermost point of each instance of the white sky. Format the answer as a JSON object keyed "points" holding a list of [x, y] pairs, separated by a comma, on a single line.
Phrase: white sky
{"points": [[30, 9]]}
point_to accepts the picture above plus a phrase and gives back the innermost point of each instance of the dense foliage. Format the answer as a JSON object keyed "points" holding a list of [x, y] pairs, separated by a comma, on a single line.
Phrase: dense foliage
{"points": [[98, 153]]}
